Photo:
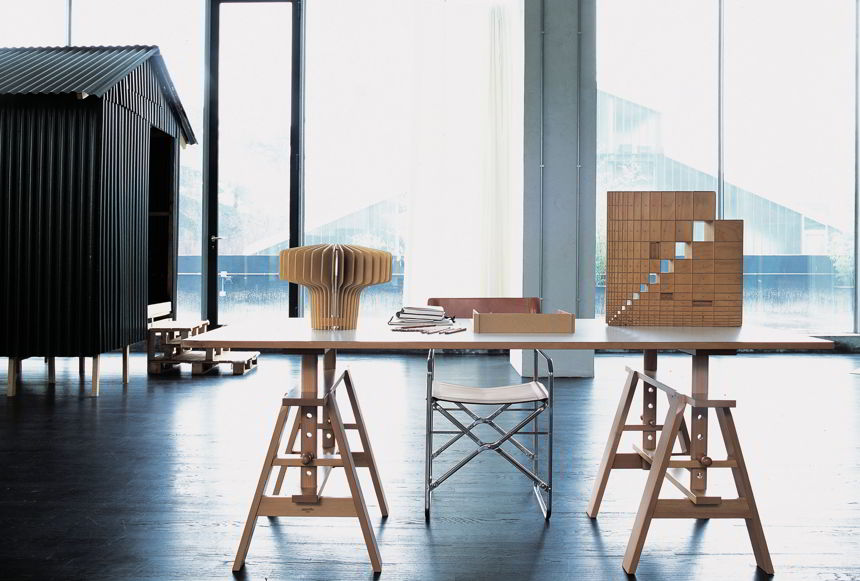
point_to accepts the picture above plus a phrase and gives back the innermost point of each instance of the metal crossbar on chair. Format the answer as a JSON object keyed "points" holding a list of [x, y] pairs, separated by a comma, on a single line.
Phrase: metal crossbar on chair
{"points": [[442, 396]]}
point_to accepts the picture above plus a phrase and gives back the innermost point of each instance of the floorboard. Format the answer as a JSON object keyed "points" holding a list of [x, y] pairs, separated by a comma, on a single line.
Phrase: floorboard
{"points": [[153, 480]]}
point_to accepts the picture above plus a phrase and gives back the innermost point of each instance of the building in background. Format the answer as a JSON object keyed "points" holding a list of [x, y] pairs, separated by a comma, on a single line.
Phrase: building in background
{"points": [[794, 265]]}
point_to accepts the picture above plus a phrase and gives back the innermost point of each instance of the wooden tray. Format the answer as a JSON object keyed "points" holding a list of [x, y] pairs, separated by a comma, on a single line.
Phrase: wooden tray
{"points": [[558, 322]]}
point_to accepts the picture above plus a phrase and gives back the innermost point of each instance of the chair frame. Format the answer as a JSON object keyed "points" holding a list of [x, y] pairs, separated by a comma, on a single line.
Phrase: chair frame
{"points": [[542, 488]]}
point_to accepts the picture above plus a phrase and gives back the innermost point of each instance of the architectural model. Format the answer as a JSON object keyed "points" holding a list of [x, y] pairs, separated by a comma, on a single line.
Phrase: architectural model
{"points": [[670, 262]]}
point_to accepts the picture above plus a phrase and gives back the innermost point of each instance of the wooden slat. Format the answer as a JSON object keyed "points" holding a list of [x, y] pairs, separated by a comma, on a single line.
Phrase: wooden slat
{"points": [[610, 452], [366, 457], [649, 400], [253, 512], [298, 462], [702, 402], [168, 325], [699, 421], [689, 464], [684, 437], [681, 508], [309, 413], [329, 372], [692, 496], [696, 464], [291, 441], [721, 352], [354, 486], [360, 459], [157, 310], [744, 488], [294, 398], [327, 506], [213, 358], [626, 460], [652, 486]]}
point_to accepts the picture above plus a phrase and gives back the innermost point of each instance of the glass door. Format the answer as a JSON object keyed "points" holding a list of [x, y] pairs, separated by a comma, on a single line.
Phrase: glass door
{"points": [[254, 156]]}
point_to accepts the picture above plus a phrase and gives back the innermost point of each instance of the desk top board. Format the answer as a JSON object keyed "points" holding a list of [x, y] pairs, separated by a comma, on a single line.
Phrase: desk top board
{"points": [[296, 334]]}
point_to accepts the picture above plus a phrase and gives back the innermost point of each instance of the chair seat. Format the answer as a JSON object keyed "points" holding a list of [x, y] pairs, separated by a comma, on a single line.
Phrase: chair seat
{"points": [[519, 393]]}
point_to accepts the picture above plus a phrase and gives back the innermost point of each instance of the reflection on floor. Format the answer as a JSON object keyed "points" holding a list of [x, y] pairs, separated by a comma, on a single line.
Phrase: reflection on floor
{"points": [[153, 481]]}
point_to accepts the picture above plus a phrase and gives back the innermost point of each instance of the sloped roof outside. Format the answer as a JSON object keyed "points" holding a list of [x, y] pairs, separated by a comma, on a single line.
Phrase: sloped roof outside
{"points": [[82, 69]]}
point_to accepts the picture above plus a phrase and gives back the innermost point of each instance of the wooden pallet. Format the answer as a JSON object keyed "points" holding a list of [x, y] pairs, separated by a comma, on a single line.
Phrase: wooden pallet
{"points": [[165, 350], [241, 362], [164, 337]]}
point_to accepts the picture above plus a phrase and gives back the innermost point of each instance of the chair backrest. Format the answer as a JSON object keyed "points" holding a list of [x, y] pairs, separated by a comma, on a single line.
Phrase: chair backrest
{"points": [[462, 307]]}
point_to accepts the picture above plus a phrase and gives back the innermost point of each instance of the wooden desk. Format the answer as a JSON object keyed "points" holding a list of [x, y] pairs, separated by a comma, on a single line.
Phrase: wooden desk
{"points": [[296, 335], [655, 454]]}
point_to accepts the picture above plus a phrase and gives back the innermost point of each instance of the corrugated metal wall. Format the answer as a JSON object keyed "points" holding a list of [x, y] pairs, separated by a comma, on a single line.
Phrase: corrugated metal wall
{"points": [[74, 218], [48, 212], [131, 109]]}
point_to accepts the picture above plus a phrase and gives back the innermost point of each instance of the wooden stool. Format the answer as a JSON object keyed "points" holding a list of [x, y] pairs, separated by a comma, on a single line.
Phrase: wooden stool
{"points": [[319, 428], [657, 457]]}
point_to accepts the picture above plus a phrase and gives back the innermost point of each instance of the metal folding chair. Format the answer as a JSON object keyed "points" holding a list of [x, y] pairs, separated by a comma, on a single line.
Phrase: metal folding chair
{"points": [[452, 400]]}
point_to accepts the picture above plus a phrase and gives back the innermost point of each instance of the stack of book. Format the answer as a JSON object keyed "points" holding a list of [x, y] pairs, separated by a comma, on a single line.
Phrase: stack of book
{"points": [[421, 316]]}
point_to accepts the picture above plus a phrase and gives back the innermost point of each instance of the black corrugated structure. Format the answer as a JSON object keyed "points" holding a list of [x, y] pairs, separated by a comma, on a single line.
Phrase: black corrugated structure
{"points": [[89, 161]]}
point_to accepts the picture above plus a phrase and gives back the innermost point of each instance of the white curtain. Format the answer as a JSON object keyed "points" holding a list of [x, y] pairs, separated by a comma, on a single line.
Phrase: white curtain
{"points": [[464, 199]]}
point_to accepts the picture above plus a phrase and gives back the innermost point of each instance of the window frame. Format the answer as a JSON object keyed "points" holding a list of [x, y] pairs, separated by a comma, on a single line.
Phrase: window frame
{"points": [[209, 278]]}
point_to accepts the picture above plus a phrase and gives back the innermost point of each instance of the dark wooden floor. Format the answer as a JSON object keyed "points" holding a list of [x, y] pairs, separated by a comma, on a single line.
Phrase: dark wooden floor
{"points": [[154, 481]]}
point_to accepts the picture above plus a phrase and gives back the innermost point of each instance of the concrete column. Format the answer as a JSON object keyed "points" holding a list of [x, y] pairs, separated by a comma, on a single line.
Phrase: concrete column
{"points": [[559, 198]]}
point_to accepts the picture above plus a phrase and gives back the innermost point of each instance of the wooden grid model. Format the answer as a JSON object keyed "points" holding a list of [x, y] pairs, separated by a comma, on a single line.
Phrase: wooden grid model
{"points": [[671, 262], [335, 275]]}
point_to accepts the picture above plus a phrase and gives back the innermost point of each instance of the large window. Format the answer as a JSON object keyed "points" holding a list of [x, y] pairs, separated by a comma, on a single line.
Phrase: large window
{"points": [[414, 141], [789, 157], [657, 103], [180, 40], [32, 23], [787, 136], [414, 114], [254, 109]]}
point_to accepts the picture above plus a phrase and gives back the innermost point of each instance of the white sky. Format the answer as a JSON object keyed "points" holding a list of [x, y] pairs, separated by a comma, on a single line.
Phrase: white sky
{"points": [[32, 23], [789, 91], [788, 94]]}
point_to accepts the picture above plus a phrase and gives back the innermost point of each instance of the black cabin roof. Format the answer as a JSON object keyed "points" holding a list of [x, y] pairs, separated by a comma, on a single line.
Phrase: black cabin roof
{"points": [[83, 69]]}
